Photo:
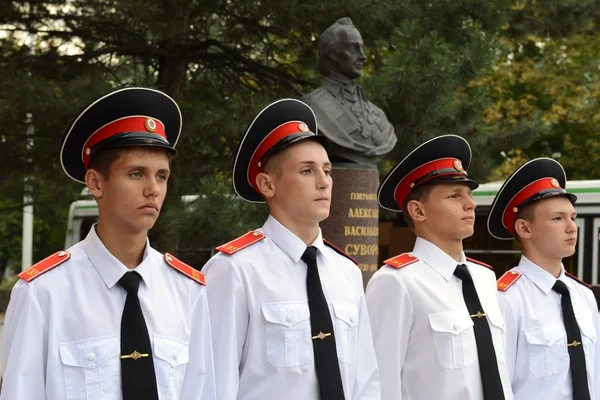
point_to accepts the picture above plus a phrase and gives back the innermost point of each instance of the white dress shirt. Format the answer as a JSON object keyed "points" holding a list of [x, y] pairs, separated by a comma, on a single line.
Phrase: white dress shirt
{"points": [[536, 339], [261, 321], [62, 330], [423, 334]]}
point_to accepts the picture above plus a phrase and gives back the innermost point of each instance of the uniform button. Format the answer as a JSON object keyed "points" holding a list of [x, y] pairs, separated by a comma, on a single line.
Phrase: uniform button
{"points": [[455, 327], [352, 319], [174, 357], [91, 357], [289, 319]]}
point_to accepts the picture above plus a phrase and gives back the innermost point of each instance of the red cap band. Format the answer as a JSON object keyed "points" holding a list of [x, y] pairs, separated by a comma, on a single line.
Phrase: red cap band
{"points": [[510, 212], [274, 137], [407, 184], [127, 124]]}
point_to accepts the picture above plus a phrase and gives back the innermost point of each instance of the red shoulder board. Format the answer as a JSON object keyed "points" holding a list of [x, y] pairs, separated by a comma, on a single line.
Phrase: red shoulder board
{"points": [[340, 251], [241, 243], [507, 280], [185, 269], [401, 260], [474, 261], [570, 275], [45, 265]]}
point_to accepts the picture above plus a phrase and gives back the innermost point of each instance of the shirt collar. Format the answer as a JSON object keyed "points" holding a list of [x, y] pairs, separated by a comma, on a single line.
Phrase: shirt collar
{"points": [[539, 276], [435, 257], [109, 268], [287, 241]]}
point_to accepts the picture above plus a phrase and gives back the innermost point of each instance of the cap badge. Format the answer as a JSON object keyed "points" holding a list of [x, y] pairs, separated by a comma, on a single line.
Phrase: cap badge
{"points": [[150, 125], [458, 165], [303, 127], [554, 183]]}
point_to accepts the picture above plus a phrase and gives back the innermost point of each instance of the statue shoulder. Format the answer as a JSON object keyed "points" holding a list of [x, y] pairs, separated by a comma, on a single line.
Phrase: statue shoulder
{"points": [[318, 95]]}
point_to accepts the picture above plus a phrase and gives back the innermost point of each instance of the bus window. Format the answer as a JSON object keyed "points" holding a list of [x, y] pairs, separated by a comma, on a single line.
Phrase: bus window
{"points": [[86, 225]]}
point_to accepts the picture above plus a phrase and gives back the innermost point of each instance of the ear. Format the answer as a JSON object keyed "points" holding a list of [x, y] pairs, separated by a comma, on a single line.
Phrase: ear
{"points": [[523, 229], [94, 180], [266, 185], [415, 210]]}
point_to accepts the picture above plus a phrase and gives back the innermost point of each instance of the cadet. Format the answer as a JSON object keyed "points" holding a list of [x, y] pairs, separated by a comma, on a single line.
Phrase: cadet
{"points": [[437, 326], [551, 316], [110, 317], [288, 312]]}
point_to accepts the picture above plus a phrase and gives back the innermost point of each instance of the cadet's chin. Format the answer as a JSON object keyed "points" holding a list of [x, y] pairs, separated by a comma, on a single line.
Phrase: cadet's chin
{"points": [[146, 223], [467, 233], [569, 251], [322, 216]]}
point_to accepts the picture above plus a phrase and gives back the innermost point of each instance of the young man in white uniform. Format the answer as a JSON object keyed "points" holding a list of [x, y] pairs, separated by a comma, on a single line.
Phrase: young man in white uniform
{"points": [[288, 312], [437, 326], [551, 316], [111, 318]]}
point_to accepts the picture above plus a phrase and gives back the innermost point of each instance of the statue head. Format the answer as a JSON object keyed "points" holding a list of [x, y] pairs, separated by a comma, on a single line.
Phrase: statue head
{"points": [[341, 50]]}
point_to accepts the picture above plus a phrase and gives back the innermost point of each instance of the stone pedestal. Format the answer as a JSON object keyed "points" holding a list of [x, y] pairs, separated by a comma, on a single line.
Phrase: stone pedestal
{"points": [[353, 223]]}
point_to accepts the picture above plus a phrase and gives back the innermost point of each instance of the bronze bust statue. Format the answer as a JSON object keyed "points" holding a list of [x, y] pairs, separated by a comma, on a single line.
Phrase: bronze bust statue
{"points": [[358, 129]]}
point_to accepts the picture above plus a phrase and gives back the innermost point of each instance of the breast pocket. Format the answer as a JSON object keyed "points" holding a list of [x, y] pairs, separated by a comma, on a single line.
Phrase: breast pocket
{"points": [[287, 333], [454, 338], [548, 354], [346, 331], [91, 367], [498, 329], [171, 358], [588, 337]]}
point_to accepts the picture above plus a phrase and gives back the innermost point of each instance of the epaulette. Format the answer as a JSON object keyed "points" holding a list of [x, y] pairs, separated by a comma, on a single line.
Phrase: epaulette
{"points": [[570, 275], [507, 280], [340, 251], [474, 261], [401, 261], [45, 265], [185, 269], [241, 243]]}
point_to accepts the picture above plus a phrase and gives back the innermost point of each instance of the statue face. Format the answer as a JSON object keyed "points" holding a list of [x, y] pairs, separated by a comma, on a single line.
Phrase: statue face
{"points": [[349, 57]]}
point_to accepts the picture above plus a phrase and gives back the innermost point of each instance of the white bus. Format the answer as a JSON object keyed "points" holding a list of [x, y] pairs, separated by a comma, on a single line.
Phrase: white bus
{"points": [[83, 213], [505, 254], [396, 238]]}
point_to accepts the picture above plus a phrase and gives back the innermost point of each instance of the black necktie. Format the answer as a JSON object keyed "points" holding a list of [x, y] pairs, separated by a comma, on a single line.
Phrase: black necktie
{"points": [[576, 353], [323, 338], [488, 364], [137, 368]]}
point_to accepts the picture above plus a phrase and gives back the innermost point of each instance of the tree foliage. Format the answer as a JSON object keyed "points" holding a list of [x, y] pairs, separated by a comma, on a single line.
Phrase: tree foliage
{"points": [[509, 75]]}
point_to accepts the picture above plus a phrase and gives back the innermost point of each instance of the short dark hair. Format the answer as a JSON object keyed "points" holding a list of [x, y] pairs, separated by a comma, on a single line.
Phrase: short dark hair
{"points": [[526, 213], [327, 43], [420, 193], [272, 165], [103, 158]]}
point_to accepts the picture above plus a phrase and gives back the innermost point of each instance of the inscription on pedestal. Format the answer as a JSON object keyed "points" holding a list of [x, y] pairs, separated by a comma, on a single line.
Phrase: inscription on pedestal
{"points": [[353, 222]]}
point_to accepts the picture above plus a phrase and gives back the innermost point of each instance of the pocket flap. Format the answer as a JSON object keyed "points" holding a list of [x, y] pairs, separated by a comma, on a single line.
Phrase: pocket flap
{"points": [[346, 312], [287, 314], [545, 335], [171, 350], [453, 322], [89, 353], [587, 329], [495, 318]]}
